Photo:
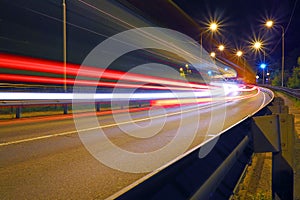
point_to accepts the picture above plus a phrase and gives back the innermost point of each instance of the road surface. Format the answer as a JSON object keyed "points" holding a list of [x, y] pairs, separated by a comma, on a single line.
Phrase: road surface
{"points": [[44, 158]]}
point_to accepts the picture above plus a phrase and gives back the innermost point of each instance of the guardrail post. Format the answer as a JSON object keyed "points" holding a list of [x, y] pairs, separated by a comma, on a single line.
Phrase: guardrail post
{"points": [[275, 133], [297, 169], [65, 106], [265, 130], [278, 106], [18, 112], [278, 101], [97, 105], [283, 162]]}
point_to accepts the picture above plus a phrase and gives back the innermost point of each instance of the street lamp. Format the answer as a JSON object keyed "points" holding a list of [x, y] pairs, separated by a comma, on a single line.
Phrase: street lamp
{"points": [[263, 66], [65, 50], [270, 24], [257, 45], [189, 71], [221, 47], [239, 54], [213, 27], [64, 44], [213, 54]]}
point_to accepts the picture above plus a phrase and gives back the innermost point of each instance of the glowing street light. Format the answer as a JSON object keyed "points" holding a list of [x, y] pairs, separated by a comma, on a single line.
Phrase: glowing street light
{"points": [[263, 66], [257, 45], [270, 24], [213, 54], [189, 71], [213, 27], [239, 53], [221, 47], [181, 72]]}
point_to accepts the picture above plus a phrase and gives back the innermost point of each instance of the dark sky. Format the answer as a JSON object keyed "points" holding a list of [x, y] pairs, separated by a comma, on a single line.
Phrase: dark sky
{"points": [[34, 27], [243, 20]]}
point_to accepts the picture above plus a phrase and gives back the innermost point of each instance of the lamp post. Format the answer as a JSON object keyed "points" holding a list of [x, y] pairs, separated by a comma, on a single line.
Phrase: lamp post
{"points": [[259, 47], [213, 27], [213, 55], [270, 24], [65, 44], [65, 51], [221, 47], [263, 66], [239, 54]]}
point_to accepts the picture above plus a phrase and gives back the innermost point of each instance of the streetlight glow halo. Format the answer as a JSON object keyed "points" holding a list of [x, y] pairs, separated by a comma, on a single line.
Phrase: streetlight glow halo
{"points": [[239, 53], [213, 26], [269, 23]]}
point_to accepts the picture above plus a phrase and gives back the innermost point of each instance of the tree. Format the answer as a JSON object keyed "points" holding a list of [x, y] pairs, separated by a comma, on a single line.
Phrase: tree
{"points": [[276, 81], [294, 81]]}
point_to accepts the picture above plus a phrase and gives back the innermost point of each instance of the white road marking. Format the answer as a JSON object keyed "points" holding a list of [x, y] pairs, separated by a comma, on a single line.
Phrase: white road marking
{"points": [[262, 105], [107, 126], [104, 126]]}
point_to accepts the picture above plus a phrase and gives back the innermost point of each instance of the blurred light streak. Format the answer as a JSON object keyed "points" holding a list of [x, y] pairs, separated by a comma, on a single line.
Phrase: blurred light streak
{"points": [[154, 38], [180, 102], [52, 80], [161, 98], [39, 65], [99, 96]]}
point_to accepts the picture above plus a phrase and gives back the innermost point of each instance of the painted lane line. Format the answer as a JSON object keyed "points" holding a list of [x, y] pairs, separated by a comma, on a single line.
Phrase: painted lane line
{"points": [[104, 126], [111, 125]]}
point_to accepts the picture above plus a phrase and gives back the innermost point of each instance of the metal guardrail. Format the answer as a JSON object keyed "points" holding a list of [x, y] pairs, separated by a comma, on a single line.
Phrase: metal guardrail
{"points": [[191, 177], [276, 133], [292, 92], [212, 177], [65, 104]]}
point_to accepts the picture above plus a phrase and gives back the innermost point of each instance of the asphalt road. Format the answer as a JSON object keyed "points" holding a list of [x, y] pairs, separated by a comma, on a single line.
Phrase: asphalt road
{"points": [[47, 158]]}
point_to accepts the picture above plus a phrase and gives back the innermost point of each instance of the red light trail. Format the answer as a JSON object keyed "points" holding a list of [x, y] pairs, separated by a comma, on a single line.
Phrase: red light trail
{"points": [[39, 65]]}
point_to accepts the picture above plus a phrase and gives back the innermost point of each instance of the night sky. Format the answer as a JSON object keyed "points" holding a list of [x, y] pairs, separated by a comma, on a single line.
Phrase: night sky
{"points": [[34, 28], [243, 21]]}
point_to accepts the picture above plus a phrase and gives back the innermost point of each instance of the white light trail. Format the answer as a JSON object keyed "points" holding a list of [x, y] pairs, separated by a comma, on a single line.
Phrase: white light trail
{"points": [[99, 96]]}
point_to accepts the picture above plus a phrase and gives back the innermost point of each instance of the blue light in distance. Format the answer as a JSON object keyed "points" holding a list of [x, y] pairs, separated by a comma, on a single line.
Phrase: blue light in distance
{"points": [[263, 65]]}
